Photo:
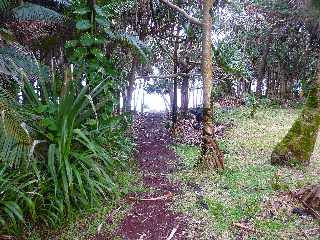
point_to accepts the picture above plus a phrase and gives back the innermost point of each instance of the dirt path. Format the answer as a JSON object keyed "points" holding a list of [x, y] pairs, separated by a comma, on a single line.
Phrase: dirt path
{"points": [[150, 216]]}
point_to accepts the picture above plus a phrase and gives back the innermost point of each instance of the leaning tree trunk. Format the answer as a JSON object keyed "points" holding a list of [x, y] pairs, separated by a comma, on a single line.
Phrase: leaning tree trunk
{"points": [[211, 156], [297, 146]]}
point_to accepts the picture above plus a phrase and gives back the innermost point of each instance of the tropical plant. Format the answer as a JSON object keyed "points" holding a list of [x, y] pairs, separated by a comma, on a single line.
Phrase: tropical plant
{"points": [[54, 133]]}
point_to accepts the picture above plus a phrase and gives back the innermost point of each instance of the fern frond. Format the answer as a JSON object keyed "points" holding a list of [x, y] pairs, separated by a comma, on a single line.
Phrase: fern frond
{"points": [[34, 12], [12, 126], [4, 4], [15, 61], [129, 41]]}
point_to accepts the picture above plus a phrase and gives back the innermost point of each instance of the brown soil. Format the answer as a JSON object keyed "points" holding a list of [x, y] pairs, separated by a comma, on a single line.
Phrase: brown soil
{"points": [[150, 216]]}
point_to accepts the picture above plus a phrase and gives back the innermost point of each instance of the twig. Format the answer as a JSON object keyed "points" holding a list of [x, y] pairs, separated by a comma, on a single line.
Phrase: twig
{"points": [[5, 237], [304, 234], [239, 225], [174, 230], [167, 196], [313, 229]]}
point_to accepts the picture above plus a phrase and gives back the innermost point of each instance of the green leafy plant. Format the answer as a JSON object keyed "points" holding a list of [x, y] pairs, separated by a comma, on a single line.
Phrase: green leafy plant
{"points": [[50, 135]]}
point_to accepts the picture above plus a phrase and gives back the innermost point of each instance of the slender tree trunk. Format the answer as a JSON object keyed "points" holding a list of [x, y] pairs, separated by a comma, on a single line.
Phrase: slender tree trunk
{"points": [[143, 95], [166, 103], [117, 106], [297, 146], [130, 87], [262, 66], [211, 156], [175, 83], [185, 95]]}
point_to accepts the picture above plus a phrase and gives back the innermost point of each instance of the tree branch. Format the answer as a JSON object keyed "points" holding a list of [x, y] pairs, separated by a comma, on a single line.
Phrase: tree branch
{"points": [[170, 76], [183, 12]]}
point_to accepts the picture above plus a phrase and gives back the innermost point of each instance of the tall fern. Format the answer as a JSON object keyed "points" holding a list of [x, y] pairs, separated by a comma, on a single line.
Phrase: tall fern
{"points": [[34, 12]]}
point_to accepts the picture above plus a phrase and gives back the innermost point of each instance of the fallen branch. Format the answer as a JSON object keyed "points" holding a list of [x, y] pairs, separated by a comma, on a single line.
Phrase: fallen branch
{"points": [[174, 230], [244, 227], [5, 237], [304, 234], [313, 212], [165, 197]]}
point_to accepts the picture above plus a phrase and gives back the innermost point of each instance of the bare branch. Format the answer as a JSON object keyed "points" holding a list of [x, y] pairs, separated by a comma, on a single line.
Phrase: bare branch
{"points": [[183, 12], [170, 76]]}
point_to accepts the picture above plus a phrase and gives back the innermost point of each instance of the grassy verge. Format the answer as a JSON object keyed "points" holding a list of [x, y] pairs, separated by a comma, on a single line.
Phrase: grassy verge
{"points": [[250, 191], [101, 219]]}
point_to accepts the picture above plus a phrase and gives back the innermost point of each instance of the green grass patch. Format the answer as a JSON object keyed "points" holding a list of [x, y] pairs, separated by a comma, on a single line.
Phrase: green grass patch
{"points": [[188, 153], [249, 181]]}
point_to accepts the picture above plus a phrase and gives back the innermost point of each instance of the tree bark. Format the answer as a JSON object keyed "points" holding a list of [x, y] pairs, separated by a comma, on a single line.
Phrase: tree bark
{"points": [[175, 83], [211, 156], [262, 66], [185, 96], [297, 146]]}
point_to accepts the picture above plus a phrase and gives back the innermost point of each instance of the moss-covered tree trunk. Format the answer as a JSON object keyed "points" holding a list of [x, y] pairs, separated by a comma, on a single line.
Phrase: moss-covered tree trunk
{"points": [[211, 156], [297, 146]]}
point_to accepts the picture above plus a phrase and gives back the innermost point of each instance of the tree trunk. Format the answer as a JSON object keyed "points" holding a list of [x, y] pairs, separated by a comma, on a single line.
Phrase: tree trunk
{"points": [[262, 66], [175, 102], [117, 106], [175, 83], [185, 95], [297, 146], [130, 87], [211, 156]]}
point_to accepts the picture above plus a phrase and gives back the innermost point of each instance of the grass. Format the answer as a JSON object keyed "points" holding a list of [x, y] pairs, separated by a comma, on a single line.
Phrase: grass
{"points": [[250, 190], [102, 219]]}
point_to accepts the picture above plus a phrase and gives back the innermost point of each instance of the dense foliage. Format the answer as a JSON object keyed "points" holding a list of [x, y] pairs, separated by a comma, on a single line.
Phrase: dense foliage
{"points": [[61, 143]]}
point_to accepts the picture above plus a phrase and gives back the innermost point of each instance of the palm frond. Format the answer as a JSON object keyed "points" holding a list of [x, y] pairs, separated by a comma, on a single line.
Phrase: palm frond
{"points": [[4, 5], [34, 12], [15, 141]]}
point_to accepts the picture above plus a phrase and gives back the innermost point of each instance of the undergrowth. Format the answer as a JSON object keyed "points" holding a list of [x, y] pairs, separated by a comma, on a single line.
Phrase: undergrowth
{"points": [[103, 218]]}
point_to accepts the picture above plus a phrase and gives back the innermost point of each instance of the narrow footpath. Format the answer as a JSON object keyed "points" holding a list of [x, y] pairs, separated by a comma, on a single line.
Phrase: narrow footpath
{"points": [[150, 217]]}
